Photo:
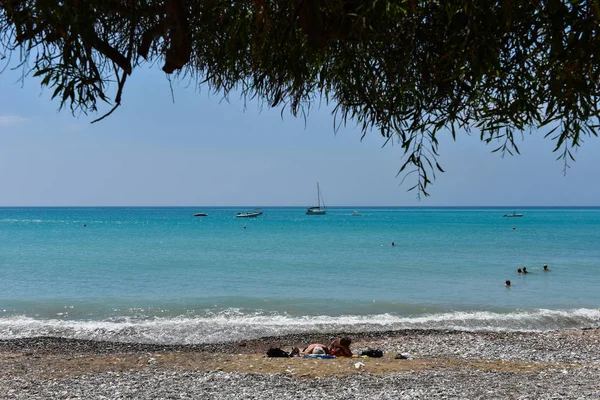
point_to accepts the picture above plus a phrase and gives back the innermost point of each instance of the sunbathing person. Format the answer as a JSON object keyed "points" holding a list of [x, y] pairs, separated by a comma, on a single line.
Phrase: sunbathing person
{"points": [[341, 347], [315, 348]]}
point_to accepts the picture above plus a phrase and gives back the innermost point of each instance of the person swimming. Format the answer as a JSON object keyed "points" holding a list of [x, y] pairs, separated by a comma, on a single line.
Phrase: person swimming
{"points": [[507, 283], [525, 270], [519, 271], [546, 267]]}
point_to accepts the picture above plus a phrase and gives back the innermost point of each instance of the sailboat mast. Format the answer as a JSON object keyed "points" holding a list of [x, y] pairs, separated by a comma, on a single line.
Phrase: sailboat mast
{"points": [[318, 196]]}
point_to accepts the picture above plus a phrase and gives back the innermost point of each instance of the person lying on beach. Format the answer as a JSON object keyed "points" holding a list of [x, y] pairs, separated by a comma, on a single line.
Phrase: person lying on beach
{"points": [[341, 347], [315, 348]]}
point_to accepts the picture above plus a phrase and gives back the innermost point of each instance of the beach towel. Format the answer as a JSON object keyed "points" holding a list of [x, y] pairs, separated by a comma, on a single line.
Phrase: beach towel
{"points": [[324, 356]]}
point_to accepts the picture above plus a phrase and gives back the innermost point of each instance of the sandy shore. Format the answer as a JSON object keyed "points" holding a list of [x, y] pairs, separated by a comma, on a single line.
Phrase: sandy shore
{"points": [[446, 364]]}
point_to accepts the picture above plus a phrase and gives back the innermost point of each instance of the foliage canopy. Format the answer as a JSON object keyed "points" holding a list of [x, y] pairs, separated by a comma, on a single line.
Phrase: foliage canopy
{"points": [[406, 68]]}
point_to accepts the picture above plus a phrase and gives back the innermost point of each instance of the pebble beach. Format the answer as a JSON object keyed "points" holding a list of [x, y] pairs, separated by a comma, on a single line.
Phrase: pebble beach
{"points": [[444, 365]]}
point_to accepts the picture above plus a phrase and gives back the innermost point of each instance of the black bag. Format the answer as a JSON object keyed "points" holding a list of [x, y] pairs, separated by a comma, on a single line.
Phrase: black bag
{"points": [[372, 353], [277, 352]]}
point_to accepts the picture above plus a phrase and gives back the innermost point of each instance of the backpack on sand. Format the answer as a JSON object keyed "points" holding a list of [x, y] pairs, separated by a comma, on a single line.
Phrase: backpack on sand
{"points": [[374, 353], [277, 352]]}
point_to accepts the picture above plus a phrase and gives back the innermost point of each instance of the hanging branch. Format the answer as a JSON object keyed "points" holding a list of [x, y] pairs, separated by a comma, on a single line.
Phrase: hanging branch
{"points": [[411, 70], [121, 82]]}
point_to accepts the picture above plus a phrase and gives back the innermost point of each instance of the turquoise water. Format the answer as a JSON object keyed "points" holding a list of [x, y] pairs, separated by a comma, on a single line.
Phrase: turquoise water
{"points": [[161, 275]]}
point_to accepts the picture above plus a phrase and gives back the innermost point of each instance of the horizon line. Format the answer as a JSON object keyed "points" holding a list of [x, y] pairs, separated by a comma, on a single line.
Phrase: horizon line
{"points": [[297, 206]]}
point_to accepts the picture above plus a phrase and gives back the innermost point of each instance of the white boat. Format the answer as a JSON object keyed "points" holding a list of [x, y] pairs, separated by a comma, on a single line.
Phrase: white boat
{"points": [[317, 210], [356, 214], [249, 214], [514, 214], [201, 215]]}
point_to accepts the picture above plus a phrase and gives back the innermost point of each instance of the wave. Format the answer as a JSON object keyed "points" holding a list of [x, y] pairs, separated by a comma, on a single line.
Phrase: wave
{"points": [[63, 221], [37, 221], [232, 324]]}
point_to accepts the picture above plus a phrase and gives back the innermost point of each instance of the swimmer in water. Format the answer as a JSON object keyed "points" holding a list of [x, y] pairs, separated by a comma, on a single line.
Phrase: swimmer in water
{"points": [[507, 283], [525, 270], [546, 268], [519, 271]]}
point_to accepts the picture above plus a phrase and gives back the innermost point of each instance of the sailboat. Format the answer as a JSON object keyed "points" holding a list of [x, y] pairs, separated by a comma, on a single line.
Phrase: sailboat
{"points": [[317, 210]]}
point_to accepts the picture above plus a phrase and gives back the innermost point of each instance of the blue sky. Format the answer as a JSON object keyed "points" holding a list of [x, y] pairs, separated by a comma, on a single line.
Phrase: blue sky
{"points": [[203, 151]]}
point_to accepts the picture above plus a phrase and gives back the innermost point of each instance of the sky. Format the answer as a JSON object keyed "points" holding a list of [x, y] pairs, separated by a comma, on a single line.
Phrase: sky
{"points": [[202, 150]]}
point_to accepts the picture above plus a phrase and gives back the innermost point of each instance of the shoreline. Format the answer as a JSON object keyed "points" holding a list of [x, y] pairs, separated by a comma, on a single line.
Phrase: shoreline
{"points": [[563, 364], [59, 344]]}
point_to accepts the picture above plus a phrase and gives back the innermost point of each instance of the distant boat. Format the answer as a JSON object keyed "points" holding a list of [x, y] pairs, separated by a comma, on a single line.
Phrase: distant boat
{"points": [[317, 210], [514, 214], [249, 214], [201, 215], [356, 214]]}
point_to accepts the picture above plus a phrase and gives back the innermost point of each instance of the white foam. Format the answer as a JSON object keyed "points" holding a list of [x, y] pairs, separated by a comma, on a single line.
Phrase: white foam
{"points": [[234, 325]]}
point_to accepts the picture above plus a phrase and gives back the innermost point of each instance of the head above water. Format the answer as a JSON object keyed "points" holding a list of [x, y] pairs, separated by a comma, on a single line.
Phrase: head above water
{"points": [[519, 270], [507, 283], [545, 267]]}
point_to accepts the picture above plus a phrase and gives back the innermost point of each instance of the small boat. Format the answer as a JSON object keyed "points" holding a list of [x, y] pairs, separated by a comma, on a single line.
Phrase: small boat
{"points": [[514, 214], [249, 214], [317, 210], [356, 214], [201, 215]]}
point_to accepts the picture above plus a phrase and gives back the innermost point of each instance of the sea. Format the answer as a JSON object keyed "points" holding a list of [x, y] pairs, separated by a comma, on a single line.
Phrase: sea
{"points": [[160, 275]]}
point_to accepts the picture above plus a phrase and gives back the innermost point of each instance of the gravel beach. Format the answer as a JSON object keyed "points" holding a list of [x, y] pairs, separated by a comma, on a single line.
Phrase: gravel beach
{"points": [[445, 365]]}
